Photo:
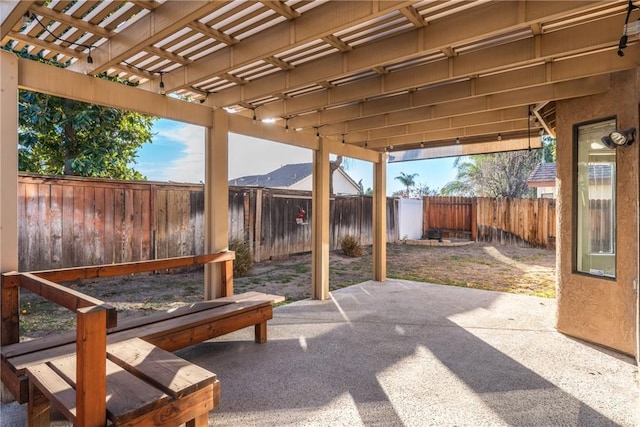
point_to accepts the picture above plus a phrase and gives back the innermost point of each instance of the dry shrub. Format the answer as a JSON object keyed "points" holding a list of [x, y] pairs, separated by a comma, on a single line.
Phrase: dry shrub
{"points": [[351, 246], [244, 261]]}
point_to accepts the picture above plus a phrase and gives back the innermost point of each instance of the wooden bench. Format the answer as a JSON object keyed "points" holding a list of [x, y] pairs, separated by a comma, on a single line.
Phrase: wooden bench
{"points": [[168, 331], [144, 386]]}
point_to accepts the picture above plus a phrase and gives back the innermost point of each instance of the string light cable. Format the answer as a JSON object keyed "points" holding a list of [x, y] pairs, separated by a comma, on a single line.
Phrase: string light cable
{"points": [[91, 47], [625, 34], [69, 43]]}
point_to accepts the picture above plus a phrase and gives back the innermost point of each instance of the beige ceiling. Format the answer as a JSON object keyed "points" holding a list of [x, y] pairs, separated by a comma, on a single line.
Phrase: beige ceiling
{"points": [[388, 75]]}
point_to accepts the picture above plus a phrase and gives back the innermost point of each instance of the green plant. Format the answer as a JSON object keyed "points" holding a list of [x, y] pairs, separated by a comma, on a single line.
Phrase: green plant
{"points": [[351, 246], [244, 261]]}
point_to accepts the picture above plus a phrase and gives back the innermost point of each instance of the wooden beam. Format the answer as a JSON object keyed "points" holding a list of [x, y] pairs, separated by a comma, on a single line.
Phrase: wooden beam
{"points": [[562, 43], [337, 43], [235, 79], [48, 79], [492, 129], [449, 101], [72, 21], [148, 4], [168, 55], [61, 295], [413, 16], [281, 8], [446, 149], [212, 32], [216, 200], [245, 126], [380, 70], [279, 63], [491, 19], [429, 124], [352, 151], [45, 45], [380, 219], [9, 70], [314, 24], [110, 270], [320, 224], [149, 29], [11, 12]]}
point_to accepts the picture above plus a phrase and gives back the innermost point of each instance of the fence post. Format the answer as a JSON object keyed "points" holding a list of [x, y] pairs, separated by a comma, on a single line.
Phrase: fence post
{"points": [[425, 222], [474, 219], [258, 222]]}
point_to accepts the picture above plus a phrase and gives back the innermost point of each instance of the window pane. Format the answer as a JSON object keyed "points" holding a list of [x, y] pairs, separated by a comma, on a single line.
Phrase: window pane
{"points": [[596, 182]]}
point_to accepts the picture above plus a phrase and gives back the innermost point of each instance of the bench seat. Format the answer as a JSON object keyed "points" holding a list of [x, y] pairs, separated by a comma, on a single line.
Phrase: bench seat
{"points": [[145, 386], [169, 331]]}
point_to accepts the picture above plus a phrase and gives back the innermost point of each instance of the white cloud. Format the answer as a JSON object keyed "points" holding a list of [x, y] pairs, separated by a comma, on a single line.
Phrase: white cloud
{"points": [[247, 156], [188, 165], [251, 156]]}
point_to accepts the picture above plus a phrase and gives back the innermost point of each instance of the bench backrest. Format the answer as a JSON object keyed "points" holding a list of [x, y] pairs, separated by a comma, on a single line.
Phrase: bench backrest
{"points": [[43, 283], [94, 317]]}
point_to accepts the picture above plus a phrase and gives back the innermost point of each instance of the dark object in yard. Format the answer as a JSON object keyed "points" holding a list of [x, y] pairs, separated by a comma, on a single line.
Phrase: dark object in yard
{"points": [[434, 234]]}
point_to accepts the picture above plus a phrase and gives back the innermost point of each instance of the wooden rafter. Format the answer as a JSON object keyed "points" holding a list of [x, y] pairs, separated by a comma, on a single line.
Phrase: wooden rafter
{"points": [[212, 32], [279, 63], [337, 43], [71, 21], [281, 8], [567, 42], [150, 29], [413, 16]]}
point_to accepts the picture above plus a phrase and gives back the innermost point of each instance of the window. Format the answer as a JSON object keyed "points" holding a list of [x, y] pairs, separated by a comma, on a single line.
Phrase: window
{"points": [[596, 200]]}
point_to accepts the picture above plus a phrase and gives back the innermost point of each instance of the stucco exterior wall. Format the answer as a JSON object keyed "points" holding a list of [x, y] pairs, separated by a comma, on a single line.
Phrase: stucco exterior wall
{"points": [[596, 309]]}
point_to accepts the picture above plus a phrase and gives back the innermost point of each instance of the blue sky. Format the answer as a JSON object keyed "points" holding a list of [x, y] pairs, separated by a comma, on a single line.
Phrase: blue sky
{"points": [[177, 154]]}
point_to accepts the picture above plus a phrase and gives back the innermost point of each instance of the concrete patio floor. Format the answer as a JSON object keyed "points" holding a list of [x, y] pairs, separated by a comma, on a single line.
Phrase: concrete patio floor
{"points": [[414, 354]]}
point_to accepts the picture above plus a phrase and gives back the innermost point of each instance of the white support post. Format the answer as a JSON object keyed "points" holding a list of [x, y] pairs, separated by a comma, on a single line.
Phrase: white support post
{"points": [[320, 223], [8, 162], [216, 199], [380, 219]]}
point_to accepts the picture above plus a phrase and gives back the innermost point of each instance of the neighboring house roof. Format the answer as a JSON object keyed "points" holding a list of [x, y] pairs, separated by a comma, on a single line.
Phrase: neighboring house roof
{"points": [[599, 171], [284, 177], [544, 174]]}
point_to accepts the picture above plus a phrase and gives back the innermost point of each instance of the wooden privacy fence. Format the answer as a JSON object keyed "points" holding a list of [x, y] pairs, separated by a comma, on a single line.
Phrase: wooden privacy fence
{"points": [[453, 215], [266, 219], [503, 221], [70, 221], [517, 221]]}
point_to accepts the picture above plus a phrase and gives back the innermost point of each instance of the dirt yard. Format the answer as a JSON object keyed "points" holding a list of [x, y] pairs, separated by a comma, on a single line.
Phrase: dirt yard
{"points": [[500, 268]]}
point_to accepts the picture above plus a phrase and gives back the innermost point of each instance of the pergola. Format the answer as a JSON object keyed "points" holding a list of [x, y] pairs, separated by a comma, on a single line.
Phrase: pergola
{"points": [[363, 79]]}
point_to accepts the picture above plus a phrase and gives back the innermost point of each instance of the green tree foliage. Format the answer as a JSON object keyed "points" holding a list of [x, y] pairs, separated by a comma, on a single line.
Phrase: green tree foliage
{"points": [[65, 137], [59, 136], [408, 180], [419, 191], [494, 175], [549, 149]]}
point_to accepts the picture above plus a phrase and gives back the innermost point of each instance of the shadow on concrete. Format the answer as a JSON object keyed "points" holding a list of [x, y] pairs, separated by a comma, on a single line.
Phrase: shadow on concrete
{"points": [[371, 339]]}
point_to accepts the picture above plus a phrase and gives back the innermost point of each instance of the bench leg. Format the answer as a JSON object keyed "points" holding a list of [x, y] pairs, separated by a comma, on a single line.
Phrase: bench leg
{"points": [[261, 333], [38, 408], [199, 421]]}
